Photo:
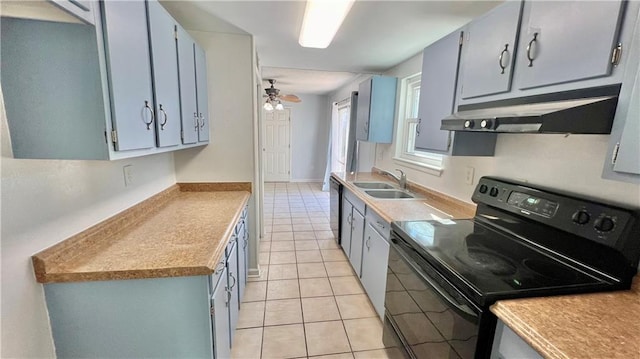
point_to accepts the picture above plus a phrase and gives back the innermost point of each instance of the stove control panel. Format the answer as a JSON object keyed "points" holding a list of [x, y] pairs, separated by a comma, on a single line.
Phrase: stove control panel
{"points": [[598, 222]]}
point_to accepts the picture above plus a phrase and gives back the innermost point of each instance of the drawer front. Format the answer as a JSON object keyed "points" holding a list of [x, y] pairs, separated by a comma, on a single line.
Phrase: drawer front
{"points": [[378, 223]]}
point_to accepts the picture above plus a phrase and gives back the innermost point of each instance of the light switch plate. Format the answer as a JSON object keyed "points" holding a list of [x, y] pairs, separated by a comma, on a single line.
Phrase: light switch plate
{"points": [[128, 175], [468, 175]]}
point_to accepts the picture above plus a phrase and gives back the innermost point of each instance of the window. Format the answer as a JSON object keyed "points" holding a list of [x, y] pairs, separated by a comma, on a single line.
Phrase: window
{"points": [[341, 117], [406, 153]]}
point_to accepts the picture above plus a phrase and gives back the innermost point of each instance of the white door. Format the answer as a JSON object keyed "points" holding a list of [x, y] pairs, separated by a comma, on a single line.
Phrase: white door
{"points": [[277, 145]]}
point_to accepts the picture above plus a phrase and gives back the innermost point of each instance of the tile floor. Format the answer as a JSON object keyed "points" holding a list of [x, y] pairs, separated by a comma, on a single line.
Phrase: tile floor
{"points": [[307, 303]]}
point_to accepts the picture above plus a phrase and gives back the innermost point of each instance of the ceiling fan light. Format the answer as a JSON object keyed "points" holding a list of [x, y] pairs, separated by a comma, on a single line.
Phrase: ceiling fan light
{"points": [[321, 22], [268, 106], [279, 106]]}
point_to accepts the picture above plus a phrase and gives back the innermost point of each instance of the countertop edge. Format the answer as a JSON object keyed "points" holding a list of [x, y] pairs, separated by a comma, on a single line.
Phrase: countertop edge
{"points": [[72, 247]]}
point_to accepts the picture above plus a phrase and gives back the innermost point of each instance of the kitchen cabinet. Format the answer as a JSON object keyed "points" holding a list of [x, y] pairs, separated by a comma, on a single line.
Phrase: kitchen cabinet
{"points": [[567, 41], [233, 281], [375, 257], [81, 9], [243, 253], [437, 98], [488, 51], [116, 75], [508, 345], [193, 89], [353, 229], [220, 324], [129, 73], [202, 93], [162, 34], [623, 156], [376, 109]]}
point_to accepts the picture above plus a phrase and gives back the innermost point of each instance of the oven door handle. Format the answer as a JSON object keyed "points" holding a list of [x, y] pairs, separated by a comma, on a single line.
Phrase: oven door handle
{"points": [[461, 309]]}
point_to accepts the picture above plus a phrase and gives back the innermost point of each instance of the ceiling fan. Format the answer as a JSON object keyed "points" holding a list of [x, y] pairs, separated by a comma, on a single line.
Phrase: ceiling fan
{"points": [[274, 98]]}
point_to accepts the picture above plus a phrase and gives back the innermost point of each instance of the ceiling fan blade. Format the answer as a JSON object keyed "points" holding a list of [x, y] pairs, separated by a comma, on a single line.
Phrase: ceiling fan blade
{"points": [[290, 98]]}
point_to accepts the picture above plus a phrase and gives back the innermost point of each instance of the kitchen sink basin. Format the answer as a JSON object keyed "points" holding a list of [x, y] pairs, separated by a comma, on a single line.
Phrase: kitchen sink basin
{"points": [[373, 185], [390, 194]]}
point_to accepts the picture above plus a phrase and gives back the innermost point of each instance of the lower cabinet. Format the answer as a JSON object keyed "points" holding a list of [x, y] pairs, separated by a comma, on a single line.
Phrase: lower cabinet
{"points": [[375, 257], [220, 324], [232, 288], [352, 229], [508, 345], [243, 253]]}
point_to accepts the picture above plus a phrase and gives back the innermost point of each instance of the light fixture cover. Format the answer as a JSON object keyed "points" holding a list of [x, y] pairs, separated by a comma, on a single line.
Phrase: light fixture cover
{"points": [[279, 106], [268, 106], [322, 19]]}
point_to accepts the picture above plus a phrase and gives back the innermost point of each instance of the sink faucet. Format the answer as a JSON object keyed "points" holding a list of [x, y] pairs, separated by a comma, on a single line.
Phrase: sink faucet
{"points": [[402, 179]]}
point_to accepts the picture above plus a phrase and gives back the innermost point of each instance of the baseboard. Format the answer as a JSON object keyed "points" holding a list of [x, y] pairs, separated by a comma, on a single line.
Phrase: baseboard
{"points": [[319, 180]]}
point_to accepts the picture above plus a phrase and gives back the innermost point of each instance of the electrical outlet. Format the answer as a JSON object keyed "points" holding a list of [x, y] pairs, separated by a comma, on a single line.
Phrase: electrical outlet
{"points": [[128, 175], [468, 175]]}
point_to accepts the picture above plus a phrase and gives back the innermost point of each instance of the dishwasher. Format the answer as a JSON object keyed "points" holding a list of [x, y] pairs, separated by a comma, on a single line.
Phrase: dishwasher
{"points": [[335, 207]]}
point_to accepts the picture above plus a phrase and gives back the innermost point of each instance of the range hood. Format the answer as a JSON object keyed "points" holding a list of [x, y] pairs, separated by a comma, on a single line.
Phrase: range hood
{"points": [[589, 111]]}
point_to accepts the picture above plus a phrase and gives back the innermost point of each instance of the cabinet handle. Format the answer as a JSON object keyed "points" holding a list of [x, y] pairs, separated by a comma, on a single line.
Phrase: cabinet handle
{"points": [[165, 118], [380, 224], [226, 303], [146, 106], [531, 47], [368, 243], [201, 119], [418, 127], [196, 120], [244, 245], [366, 127], [234, 281], [502, 58], [219, 268], [349, 218]]}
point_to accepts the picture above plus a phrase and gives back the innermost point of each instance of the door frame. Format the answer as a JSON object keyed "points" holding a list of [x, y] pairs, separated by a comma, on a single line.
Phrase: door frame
{"points": [[263, 130]]}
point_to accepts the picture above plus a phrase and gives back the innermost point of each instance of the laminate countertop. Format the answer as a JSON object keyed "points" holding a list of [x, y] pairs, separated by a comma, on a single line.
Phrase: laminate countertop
{"points": [[428, 203], [598, 326], [182, 231]]}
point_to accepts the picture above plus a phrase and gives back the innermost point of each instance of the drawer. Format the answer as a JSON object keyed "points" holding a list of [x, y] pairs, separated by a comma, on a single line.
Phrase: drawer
{"points": [[378, 223], [354, 200]]}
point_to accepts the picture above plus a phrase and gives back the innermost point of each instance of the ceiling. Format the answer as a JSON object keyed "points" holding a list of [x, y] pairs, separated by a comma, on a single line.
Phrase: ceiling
{"points": [[375, 36]]}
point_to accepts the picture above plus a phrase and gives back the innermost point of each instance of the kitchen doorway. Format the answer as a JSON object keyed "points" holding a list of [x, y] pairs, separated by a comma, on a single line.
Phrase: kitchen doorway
{"points": [[277, 145]]}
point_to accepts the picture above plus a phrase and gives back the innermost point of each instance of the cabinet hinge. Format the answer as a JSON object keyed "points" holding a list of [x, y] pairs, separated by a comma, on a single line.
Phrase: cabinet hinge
{"points": [[182, 135], [616, 55], [449, 141], [614, 155], [212, 310], [175, 32], [461, 39], [114, 136]]}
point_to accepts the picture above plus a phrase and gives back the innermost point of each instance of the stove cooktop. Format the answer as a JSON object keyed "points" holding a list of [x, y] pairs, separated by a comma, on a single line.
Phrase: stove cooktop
{"points": [[494, 264]]}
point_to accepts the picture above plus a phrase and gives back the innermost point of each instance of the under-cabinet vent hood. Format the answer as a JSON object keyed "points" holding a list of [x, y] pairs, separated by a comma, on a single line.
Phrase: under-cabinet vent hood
{"points": [[588, 111]]}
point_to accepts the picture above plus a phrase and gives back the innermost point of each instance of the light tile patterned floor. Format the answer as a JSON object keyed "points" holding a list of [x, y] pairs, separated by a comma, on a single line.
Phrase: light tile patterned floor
{"points": [[307, 303]]}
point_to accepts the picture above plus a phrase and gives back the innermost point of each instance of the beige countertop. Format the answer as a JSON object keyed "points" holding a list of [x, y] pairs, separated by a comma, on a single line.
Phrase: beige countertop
{"points": [[181, 231], [598, 326], [431, 202]]}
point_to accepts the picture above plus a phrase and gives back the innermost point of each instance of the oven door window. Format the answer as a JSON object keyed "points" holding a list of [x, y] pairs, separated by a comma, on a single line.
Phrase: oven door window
{"points": [[432, 321]]}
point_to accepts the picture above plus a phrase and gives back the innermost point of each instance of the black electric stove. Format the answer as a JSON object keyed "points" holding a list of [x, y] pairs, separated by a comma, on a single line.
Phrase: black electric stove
{"points": [[523, 241]]}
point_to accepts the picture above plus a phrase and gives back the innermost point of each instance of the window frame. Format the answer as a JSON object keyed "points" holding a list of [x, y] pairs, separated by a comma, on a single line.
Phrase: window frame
{"points": [[405, 152]]}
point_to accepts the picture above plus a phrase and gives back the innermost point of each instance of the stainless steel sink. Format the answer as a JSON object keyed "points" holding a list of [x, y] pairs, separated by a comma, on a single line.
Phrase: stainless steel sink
{"points": [[391, 194], [373, 185]]}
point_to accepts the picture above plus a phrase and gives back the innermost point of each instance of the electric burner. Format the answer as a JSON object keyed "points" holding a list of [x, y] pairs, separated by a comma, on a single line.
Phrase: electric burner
{"points": [[548, 269], [487, 262]]}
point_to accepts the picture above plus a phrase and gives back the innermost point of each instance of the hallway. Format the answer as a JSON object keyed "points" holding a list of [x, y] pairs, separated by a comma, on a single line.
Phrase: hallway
{"points": [[308, 301]]}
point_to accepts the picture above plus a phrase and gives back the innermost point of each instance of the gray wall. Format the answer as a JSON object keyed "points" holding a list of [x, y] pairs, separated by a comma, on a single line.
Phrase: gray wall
{"points": [[310, 125]]}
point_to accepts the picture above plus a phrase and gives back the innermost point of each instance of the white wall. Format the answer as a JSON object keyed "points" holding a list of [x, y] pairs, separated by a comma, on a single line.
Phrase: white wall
{"points": [[572, 164], [43, 203], [310, 125]]}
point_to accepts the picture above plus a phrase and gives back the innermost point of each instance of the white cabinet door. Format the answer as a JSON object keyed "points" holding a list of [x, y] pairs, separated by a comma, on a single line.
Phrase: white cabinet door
{"points": [[202, 94], [220, 319], [357, 235], [628, 157], [127, 41], [345, 234], [375, 257], [488, 51], [564, 41], [162, 28], [232, 267], [187, 72], [243, 257], [437, 92]]}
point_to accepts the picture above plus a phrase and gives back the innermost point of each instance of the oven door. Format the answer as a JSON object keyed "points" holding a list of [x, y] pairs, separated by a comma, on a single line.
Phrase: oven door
{"points": [[425, 312]]}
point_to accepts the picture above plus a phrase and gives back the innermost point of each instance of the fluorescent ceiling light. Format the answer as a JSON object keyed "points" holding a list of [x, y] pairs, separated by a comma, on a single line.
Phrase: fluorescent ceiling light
{"points": [[322, 19]]}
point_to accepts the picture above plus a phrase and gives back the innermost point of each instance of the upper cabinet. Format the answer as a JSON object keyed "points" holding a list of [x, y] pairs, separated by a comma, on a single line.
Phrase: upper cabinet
{"points": [[129, 72], [488, 51], [101, 92], [376, 109], [162, 33], [82, 9], [437, 98], [566, 41], [189, 110]]}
